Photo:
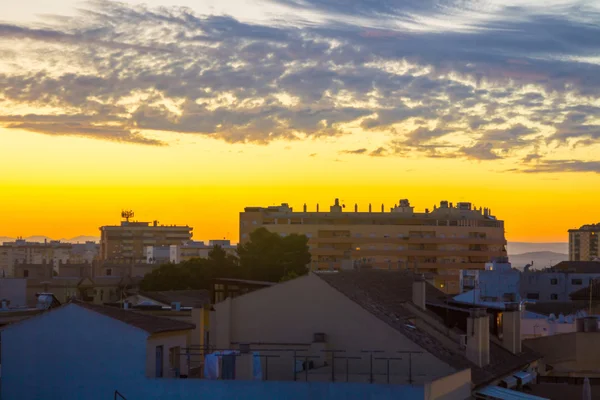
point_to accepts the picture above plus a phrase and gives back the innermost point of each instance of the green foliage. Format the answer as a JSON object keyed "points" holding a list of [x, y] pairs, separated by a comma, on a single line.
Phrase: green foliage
{"points": [[270, 257], [196, 273], [266, 257]]}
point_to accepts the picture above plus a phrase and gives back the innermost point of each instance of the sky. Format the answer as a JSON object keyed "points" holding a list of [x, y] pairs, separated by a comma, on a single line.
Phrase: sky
{"points": [[188, 113]]}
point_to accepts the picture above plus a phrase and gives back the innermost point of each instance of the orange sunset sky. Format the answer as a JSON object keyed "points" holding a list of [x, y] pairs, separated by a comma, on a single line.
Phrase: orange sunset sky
{"points": [[186, 116]]}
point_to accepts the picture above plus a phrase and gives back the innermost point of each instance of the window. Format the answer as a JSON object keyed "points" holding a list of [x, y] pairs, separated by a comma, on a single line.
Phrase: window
{"points": [[25, 273], [108, 271], [533, 296], [576, 281], [554, 281], [553, 296]]}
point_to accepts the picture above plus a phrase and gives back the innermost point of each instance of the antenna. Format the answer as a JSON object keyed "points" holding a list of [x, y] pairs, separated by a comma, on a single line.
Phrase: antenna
{"points": [[127, 214]]}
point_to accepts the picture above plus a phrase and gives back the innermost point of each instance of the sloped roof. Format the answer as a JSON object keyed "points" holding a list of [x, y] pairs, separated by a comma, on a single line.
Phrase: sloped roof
{"points": [[148, 323], [583, 267], [187, 298], [385, 294]]}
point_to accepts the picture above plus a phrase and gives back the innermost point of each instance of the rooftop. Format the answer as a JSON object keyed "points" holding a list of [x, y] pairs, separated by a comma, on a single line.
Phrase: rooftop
{"points": [[582, 267], [386, 295], [148, 323], [187, 298]]}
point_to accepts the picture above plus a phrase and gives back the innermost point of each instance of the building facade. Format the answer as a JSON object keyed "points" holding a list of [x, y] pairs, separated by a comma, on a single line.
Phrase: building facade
{"points": [[583, 243], [127, 242], [193, 249], [441, 241], [20, 251]]}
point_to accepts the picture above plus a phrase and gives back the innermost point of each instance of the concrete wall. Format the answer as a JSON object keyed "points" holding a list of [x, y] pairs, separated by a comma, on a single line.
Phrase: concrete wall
{"points": [[15, 290], [452, 387], [571, 354], [290, 313], [541, 282], [52, 355], [168, 340], [192, 389]]}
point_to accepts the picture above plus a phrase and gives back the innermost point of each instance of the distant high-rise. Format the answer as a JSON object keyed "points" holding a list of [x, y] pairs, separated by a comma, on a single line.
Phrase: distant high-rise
{"points": [[126, 242], [583, 243], [441, 241]]}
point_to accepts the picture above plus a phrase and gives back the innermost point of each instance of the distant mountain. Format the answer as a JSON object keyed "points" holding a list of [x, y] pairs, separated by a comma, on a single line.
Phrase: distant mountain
{"points": [[82, 239], [526, 247], [541, 259]]}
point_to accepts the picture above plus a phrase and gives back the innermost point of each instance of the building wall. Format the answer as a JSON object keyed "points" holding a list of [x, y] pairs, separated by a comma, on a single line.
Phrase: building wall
{"points": [[51, 355], [14, 290], [192, 389], [20, 251], [441, 242], [452, 387], [571, 354], [553, 286], [290, 313], [168, 340], [125, 243]]}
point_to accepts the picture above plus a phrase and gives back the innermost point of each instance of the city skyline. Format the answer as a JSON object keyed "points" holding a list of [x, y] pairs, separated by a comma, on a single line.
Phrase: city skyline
{"points": [[188, 115]]}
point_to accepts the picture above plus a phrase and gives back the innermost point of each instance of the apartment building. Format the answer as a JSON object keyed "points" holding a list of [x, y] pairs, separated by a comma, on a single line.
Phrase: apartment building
{"points": [[441, 241], [583, 243], [127, 242], [192, 249], [21, 251]]}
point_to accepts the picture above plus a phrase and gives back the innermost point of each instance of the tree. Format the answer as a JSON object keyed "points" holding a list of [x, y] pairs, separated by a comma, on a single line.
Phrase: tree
{"points": [[270, 257], [266, 257], [196, 273]]}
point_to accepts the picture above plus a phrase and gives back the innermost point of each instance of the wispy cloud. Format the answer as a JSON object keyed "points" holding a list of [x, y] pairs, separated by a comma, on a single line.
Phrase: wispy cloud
{"points": [[439, 78]]}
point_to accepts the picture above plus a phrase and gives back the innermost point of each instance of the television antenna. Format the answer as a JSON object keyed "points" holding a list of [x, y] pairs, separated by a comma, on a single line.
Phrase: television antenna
{"points": [[127, 214]]}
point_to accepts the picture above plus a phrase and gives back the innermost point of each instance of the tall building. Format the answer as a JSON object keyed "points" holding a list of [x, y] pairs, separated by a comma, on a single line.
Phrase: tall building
{"points": [[583, 243], [441, 241], [21, 251], [127, 242]]}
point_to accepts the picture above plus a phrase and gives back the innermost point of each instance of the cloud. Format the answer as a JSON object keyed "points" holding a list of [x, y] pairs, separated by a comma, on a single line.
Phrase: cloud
{"points": [[378, 152], [553, 166], [357, 151], [480, 151], [434, 78]]}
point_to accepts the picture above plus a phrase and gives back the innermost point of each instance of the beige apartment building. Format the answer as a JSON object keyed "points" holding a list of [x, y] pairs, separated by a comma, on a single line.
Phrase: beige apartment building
{"points": [[126, 242], [440, 241], [583, 243], [21, 251]]}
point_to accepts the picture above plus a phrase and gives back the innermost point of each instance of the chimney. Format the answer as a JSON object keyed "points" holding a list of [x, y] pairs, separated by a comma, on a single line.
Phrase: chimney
{"points": [[478, 337], [418, 292], [511, 327]]}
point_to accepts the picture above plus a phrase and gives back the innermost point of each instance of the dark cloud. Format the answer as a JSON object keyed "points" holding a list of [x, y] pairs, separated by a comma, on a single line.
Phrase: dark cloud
{"points": [[552, 166], [357, 151], [480, 151], [378, 152], [116, 71]]}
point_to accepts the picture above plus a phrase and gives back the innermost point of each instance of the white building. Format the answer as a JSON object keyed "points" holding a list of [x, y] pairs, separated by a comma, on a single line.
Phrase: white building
{"points": [[193, 249], [157, 254]]}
